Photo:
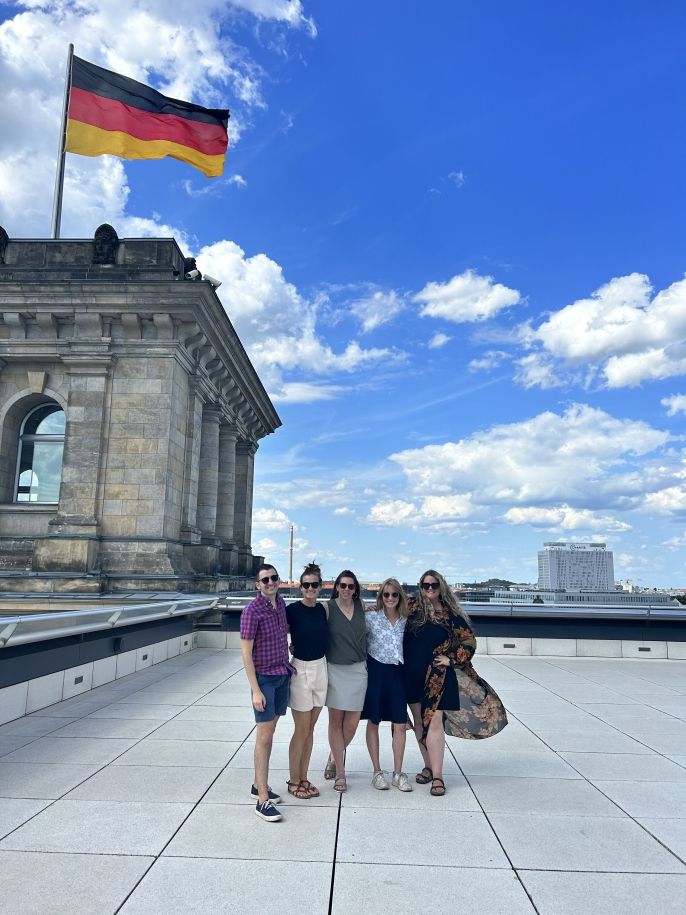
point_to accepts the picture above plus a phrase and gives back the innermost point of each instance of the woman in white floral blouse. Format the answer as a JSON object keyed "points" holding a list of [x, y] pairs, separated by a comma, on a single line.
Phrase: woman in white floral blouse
{"points": [[385, 699]]}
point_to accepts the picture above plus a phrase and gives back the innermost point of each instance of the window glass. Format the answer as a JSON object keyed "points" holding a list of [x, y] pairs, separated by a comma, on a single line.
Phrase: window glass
{"points": [[41, 445]]}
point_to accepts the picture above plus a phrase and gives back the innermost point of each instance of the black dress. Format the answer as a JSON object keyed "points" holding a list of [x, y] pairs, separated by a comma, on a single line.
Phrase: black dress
{"points": [[418, 652]]}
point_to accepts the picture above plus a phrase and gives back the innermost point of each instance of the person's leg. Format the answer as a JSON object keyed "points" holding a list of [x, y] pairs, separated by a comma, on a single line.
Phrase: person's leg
{"points": [[264, 735], [302, 724], [399, 735], [350, 723], [435, 743], [416, 710], [372, 736], [307, 744], [336, 740]]}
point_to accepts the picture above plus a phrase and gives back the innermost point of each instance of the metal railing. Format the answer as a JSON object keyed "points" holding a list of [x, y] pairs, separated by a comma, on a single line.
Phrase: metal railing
{"points": [[22, 630]]}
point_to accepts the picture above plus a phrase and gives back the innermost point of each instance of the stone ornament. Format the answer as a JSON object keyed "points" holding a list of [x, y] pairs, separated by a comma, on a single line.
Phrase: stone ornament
{"points": [[105, 244]]}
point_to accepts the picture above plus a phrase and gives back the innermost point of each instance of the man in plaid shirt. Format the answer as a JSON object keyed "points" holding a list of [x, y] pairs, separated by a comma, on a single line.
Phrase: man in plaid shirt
{"points": [[264, 647]]}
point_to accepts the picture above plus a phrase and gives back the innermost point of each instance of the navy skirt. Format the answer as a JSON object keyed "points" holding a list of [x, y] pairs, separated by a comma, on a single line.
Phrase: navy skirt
{"points": [[385, 699]]}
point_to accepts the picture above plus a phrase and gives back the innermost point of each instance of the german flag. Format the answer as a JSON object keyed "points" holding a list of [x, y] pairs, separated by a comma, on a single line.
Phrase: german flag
{"points": [[115, 115]]}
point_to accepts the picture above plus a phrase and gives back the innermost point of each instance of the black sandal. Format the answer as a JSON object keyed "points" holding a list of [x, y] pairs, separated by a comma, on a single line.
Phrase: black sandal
{"points": [[424, 777], [437, 790]]}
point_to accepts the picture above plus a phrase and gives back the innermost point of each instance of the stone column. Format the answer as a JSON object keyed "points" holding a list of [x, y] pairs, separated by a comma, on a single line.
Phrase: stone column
{"points": [[189, 528], [245, 466], [72, 544], [228, 435], [209, 470]]}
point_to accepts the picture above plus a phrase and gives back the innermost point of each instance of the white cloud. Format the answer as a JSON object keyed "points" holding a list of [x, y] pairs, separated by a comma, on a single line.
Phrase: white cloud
{"points": [[565, 518], [488, 361], [391, 513], [537, 370], [622, 331], [266, 545], [432, 511], [277, 325], [668, 501], [305, 392], [272, 519], [675, 403], [438, 340], [458, 178], [583, 457], [465, 298], [377, 308], [181, 48], [343, 510]]}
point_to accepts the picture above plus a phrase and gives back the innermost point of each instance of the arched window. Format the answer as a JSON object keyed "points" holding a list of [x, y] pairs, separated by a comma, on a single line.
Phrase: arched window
{"points": [[41, 443]]}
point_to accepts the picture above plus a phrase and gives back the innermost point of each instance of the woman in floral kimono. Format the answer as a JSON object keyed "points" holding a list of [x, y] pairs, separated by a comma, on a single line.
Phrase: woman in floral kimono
{"points": [[445, 694]]}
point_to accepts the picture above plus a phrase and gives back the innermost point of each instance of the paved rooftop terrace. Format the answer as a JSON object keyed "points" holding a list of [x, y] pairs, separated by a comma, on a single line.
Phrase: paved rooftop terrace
{"points": [[134, 799]]}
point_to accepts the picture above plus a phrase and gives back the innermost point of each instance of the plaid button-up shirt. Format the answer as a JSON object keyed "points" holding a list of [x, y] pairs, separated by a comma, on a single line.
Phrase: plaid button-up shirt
{"points": [[267, 627]]}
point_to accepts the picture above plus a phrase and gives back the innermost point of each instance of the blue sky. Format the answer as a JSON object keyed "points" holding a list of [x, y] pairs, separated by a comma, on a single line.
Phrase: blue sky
{"points": [[451, 237]]}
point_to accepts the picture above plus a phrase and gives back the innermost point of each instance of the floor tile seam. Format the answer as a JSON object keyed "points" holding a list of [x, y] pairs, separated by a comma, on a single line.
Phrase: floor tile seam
{"points": [[190, 813], [636, 821], [557, 870], [82, 854], [490, 824]]}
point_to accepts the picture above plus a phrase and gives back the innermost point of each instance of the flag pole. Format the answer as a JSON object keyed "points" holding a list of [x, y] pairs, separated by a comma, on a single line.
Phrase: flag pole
{"points": [[59, 177]]}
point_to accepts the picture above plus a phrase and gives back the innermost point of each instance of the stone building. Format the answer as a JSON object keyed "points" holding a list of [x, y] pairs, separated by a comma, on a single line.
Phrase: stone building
{"points": [[130, 415]]}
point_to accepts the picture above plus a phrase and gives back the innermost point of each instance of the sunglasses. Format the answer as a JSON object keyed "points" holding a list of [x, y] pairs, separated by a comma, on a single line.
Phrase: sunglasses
{"points": [[430, 585], [311, 584], [391, 594], [267, 579], [345, 587]]}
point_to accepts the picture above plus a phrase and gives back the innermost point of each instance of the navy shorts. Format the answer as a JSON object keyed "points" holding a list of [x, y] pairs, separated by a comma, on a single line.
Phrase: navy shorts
{"points": [[276, 689], [385, 699]]}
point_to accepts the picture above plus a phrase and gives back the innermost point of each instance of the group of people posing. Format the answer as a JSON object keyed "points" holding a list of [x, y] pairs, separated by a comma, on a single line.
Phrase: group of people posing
{"points": [[361, 662]]}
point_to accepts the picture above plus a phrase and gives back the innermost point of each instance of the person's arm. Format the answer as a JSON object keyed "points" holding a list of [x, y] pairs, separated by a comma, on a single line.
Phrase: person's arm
{"points": [[258, 699]]}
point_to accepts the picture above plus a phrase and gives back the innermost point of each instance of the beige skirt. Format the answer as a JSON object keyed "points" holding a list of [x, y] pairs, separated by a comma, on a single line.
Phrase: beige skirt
{"points": [[347, 686], [308, 686]]}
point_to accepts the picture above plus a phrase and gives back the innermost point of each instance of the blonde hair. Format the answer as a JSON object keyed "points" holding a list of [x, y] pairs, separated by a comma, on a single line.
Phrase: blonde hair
{"points": [[403, 607], [424, 611]]}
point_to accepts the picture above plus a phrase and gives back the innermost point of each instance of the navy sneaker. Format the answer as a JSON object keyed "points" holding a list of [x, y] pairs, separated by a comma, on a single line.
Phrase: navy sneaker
{"points": [[273, 796], [267, 811]]}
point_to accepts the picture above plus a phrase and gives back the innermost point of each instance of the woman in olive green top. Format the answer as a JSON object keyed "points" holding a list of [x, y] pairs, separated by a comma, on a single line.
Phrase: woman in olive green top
{"points": [[347, 666]]}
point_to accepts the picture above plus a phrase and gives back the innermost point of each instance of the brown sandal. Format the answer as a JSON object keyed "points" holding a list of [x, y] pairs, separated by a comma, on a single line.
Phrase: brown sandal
{"points": [[297, 789], [424, 777], [314, 791], [437, 790], [340, 784]]}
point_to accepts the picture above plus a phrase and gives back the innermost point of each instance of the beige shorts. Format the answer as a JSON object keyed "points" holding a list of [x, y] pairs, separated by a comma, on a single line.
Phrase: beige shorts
{"points": [[308, 685]]}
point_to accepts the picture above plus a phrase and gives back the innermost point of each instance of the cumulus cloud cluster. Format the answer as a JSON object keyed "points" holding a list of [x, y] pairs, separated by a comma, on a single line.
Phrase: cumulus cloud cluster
{"points": [[623, 333], [566, 471]]}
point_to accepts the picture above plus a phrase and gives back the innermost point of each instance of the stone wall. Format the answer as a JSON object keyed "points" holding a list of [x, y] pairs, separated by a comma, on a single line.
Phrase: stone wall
{"points": [[164, 412]]}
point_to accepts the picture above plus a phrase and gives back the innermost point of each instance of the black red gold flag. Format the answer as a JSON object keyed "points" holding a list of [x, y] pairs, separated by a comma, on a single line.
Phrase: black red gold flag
{"points": [[116, 115]]}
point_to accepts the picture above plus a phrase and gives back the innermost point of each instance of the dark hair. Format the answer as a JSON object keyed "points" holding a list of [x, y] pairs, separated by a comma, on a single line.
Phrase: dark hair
{"points": [[311, 569], [264, 568], [346, 573]]}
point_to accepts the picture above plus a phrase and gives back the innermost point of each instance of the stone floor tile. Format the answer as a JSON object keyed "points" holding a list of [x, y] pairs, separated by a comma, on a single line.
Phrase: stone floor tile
{"points": [[133, 728], [146, 783], [183, 886], [150, 752], [133, 710], [556, 893], [559, 796], [592, 741], [581, 843], [15, 811], [233, 831], [99, 827], [236, 731], [160, 696], [402, 890], [33, 726], [72, 750], [671, 832], [526, 763], [217, 713], [366, 836], [54, 884], [514, 737], [36, 780], [647, 799], [626, 767], [10, 744]]}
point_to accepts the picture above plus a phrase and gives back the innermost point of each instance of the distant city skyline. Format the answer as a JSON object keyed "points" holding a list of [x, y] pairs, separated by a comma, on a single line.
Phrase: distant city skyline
{"points": [[451, 239]]}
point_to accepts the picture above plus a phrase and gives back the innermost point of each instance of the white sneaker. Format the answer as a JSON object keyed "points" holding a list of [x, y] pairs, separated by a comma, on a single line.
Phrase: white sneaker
{"points": [[379, 781], [401, 781]]}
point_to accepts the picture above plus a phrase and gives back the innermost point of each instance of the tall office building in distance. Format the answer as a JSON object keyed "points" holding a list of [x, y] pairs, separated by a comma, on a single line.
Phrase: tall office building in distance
{"points": [[575, 566]]}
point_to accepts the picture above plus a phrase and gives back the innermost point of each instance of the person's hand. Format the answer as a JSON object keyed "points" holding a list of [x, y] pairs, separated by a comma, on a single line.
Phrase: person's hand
{"points": [[258, 700], [442, 661]]}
